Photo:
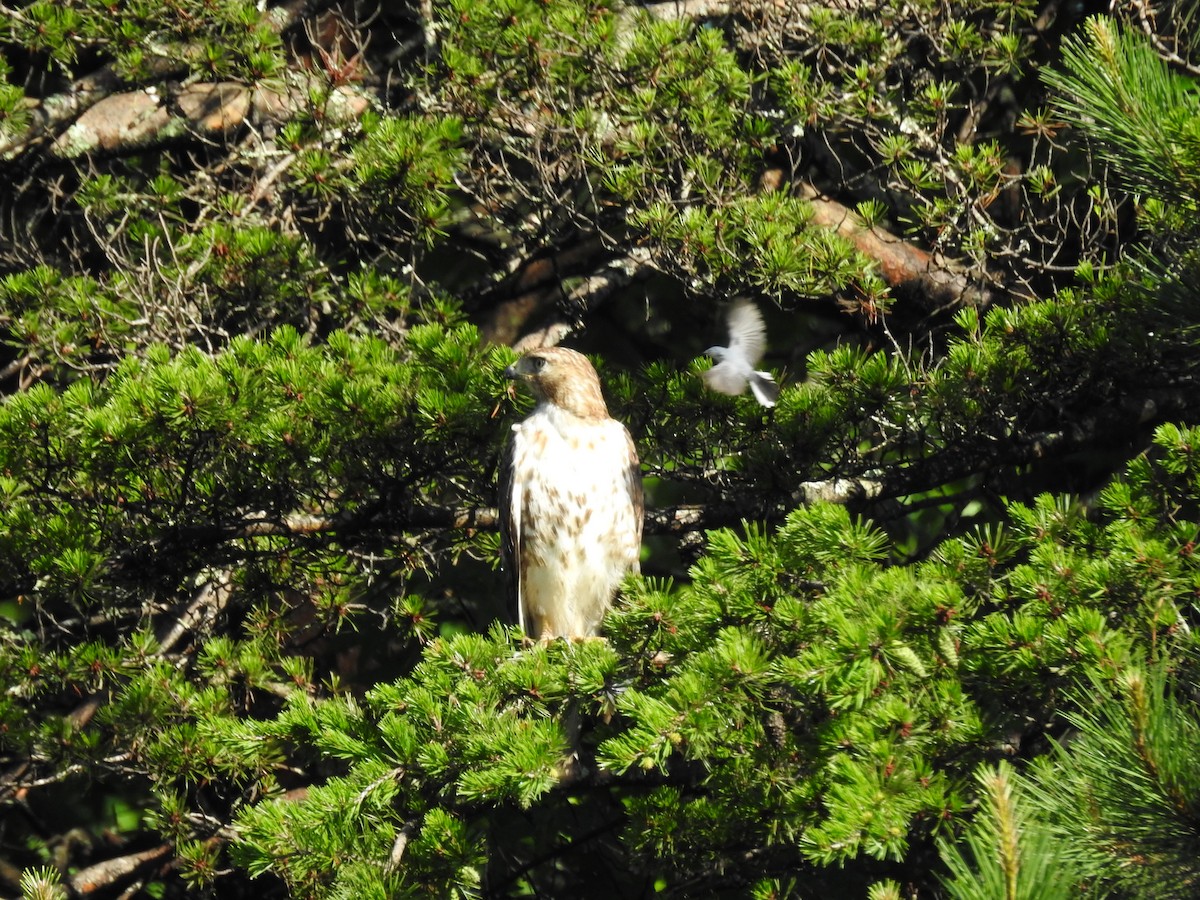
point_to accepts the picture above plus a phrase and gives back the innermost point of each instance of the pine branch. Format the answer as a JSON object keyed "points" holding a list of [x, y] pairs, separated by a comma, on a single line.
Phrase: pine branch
{"points": [[53, 114], [1114, 424], [669, 10], [1098, 428], [940, 282], [133, 121], [1007, 852], [103, 875], [207, 602], [1147, 19], [663, 520], [99, 112], [1106, 424], [1118, 90], [1123, 792], [542, 280]]}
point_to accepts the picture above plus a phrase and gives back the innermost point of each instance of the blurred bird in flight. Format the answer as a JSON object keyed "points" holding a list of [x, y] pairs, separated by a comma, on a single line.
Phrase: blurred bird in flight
{"points": [[733, 366]]}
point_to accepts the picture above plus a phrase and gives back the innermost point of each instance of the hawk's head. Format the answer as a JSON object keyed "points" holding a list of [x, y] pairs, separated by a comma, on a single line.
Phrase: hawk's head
{"points": [[563, 378]]}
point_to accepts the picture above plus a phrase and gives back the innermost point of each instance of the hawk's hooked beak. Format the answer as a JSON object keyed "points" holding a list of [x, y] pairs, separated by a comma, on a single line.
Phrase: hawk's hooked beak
{"points": [[512, 375]]}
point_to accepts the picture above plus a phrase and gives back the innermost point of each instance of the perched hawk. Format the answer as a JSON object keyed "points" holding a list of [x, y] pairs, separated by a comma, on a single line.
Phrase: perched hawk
{"points": [[570, 499], [734, 365]]}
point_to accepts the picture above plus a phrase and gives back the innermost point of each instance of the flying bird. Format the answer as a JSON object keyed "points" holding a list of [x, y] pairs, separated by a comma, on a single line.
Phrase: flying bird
{"points": [[733, 366], [571, 502]]}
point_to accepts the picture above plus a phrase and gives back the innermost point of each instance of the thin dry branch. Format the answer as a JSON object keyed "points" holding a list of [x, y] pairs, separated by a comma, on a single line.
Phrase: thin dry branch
{"points": [[207, 601], [663, 520]]}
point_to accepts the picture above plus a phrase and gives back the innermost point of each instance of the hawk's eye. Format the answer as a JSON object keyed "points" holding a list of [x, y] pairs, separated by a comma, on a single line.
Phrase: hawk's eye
{"points": [[536, 364]]}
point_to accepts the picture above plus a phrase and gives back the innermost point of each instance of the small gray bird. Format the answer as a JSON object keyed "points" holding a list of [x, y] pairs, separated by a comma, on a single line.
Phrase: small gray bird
{"points": [[734, 365]]}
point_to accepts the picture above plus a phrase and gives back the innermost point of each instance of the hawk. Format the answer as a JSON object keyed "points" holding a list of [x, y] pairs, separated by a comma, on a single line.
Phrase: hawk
{"points": [[570, 499], [734, 365]]}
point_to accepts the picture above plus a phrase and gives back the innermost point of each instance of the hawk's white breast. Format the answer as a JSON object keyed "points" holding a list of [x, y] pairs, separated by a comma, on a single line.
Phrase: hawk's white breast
{"points": [[578, 529]]}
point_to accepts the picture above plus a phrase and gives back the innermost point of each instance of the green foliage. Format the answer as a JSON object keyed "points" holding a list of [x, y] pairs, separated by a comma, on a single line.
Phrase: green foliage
{"points": [[223, 39], [214, 445], [1110, 812], [1009, 854], [661, 127], [200, 464], [475, 718], [1121, 796], [251, 426], [855, 701], [41, 884], [1141, 113]]}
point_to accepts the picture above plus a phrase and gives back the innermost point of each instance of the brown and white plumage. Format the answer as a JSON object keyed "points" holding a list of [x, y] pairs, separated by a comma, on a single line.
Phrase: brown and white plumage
{"points": [[733, 366], [570, 499]]}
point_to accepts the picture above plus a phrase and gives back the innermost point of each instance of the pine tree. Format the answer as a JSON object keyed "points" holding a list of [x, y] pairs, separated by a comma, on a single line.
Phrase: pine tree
{"points": [[260, 271]]}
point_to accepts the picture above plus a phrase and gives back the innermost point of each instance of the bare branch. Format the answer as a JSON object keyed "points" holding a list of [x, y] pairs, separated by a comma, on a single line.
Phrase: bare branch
{"points": [[543, 280], [902, 264], [133, 121], [52, 115], [136, 119], [102, 875], [206, 603]]}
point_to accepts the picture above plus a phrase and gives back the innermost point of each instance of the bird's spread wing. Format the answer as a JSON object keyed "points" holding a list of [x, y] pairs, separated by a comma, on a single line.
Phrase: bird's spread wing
{"points": [[510, 526], [747, 334]]}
